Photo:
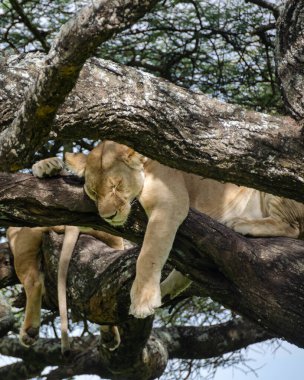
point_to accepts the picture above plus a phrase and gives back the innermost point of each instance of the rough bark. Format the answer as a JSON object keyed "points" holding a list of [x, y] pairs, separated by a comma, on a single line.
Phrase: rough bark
{"points": [[197, 134], [76, 41], [259, 278], [7, 319], [186, 342], [290, 56]]}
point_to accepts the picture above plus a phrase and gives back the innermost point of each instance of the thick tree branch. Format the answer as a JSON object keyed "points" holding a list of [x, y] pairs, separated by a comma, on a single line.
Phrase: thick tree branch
{"points": [[21, 370], [259, 278], [47, 352], [197, 134], [76, 41], [181, 342], [189, 342], [85, 359]]}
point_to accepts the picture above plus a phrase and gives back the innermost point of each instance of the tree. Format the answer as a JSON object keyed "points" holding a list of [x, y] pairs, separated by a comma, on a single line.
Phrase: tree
{"points": [[72, 97]]}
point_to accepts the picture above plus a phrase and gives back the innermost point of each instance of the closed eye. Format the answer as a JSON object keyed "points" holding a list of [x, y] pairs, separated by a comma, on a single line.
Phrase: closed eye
{"points": [[90, 192]]}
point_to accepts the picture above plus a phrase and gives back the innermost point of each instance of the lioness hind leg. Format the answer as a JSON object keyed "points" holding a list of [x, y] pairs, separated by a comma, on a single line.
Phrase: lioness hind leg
{"points": [[265, 227], [34, 289], [25, 244], [173, 285]]}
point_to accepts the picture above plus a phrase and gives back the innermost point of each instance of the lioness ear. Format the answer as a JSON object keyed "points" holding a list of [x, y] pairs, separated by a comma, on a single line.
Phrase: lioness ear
{"points": [[134, 159], [76, 163]]}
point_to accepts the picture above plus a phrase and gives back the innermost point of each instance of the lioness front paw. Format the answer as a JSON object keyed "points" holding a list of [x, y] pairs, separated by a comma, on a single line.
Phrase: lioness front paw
{"points": [[29, 336], [145, 298], [48, 167]]}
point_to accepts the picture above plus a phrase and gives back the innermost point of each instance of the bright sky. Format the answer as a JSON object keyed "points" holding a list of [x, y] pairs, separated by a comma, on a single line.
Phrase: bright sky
{"points": [[285, 363]]}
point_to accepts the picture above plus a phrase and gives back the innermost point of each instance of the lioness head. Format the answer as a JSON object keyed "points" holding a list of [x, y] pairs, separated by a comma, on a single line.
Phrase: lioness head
{"points": [[114, 177]]}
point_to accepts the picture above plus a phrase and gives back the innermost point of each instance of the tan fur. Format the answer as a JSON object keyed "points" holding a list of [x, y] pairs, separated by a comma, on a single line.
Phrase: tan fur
{"points": [[71, 234], [115, 175]]}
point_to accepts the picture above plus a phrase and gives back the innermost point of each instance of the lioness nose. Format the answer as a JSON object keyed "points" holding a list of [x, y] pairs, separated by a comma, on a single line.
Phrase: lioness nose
{"points": [[111, 216]]}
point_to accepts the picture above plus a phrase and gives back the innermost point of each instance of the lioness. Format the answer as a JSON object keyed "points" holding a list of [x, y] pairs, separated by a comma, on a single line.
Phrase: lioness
{"points": [[115, 175]]}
